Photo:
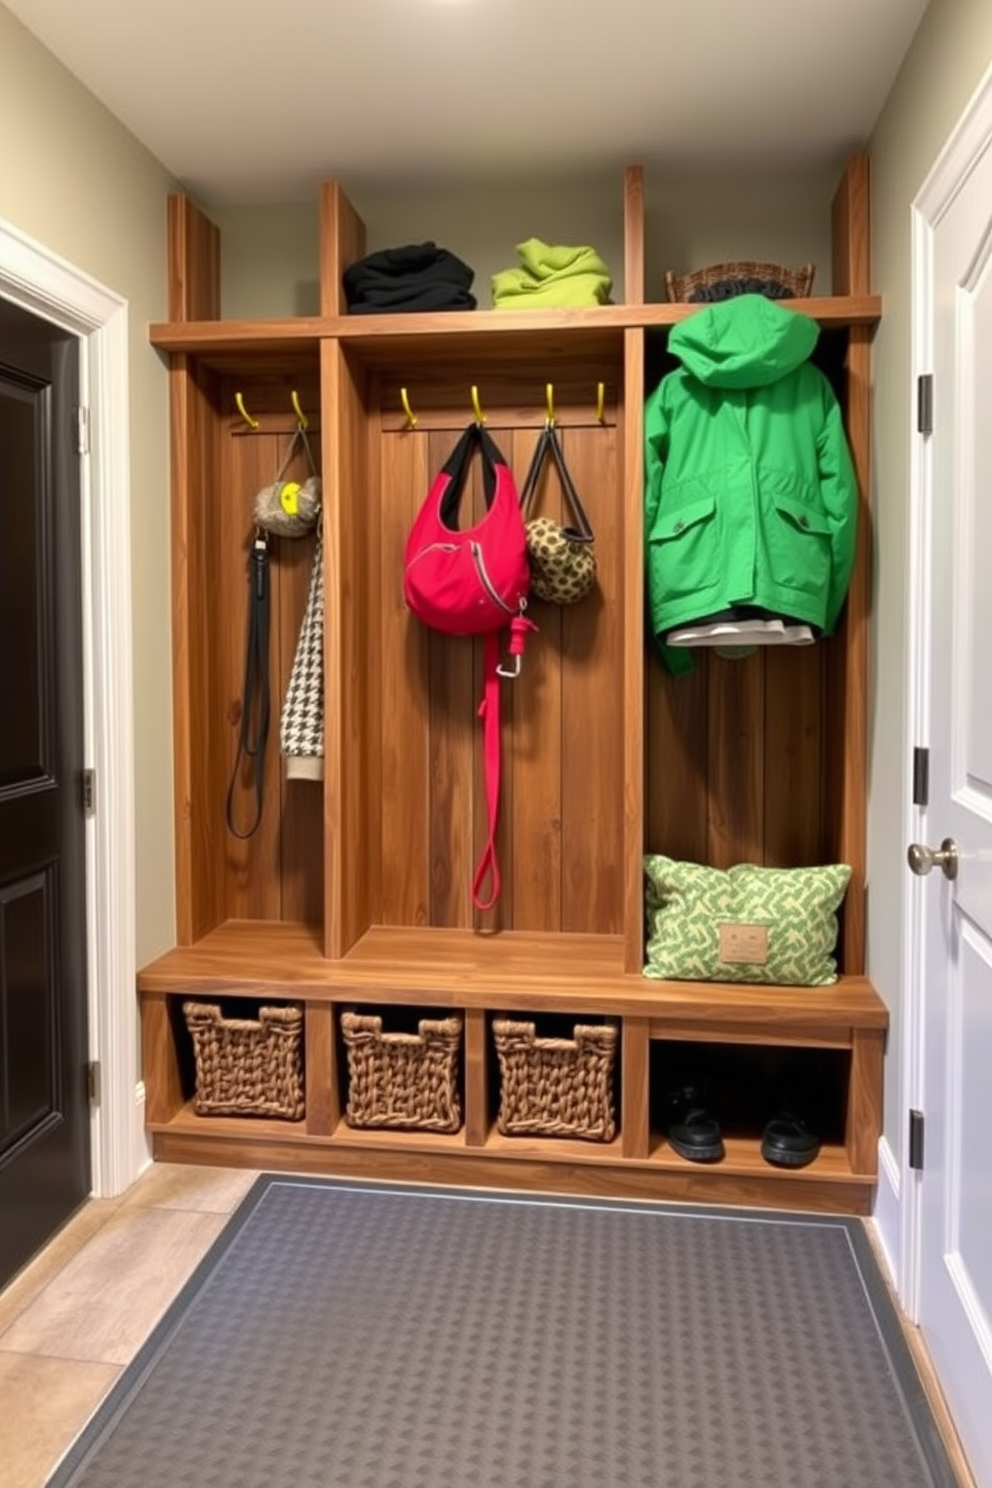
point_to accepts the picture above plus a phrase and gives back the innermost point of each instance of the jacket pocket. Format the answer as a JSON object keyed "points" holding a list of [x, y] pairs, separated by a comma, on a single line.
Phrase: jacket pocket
{"points": [[684, 551], [800, 544]]}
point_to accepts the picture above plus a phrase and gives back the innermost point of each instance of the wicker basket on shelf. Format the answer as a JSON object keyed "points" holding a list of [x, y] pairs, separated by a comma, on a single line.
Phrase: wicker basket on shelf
{"points": [[403, 1080], [701, 283], [556, 1087], [247, 1066]]}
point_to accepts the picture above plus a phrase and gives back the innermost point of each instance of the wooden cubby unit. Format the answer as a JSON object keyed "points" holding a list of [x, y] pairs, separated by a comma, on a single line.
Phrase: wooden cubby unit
{"points": [[355, 891]]}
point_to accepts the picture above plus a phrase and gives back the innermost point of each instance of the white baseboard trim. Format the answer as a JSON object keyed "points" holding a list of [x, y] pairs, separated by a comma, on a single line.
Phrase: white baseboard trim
{"points": [[888, 1218]]}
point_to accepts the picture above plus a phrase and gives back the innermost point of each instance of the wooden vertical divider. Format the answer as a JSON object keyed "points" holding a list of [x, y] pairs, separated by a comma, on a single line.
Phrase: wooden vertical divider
{"points": [[635, 1048], [193, 294], [159, 1060], [187, 685], [846, 704], [342, 243], [631, 453], [476, 1078], [864, 1101], [194, 471], [851, 238], [323, 1096], [352, 654], [193, 262], [633, 235]]}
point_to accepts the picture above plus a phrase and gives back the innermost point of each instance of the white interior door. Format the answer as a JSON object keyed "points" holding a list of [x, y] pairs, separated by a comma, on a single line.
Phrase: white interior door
{"points": [[955, 1310]]}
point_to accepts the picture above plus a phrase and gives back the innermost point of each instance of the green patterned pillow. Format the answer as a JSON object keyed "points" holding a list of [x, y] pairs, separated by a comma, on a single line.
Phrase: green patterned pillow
{"points": [[743, 924]]}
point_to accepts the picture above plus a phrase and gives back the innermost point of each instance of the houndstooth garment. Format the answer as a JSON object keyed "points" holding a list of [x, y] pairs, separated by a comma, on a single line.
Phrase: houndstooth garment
{"points": [[301, 727]]}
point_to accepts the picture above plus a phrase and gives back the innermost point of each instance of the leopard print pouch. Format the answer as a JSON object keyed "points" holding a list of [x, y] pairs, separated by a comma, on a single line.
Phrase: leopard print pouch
{"points": [[562, 559]]}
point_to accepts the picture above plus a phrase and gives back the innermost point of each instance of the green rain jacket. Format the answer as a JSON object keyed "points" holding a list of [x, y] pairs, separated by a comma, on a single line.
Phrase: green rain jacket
{"points": [[750, 492]]}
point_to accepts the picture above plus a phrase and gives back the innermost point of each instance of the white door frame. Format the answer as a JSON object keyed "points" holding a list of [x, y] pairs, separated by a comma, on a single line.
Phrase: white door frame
{"points": [[39, 281], [968, 140]]}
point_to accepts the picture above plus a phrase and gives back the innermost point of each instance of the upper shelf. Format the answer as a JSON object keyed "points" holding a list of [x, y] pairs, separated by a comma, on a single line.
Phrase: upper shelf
{"points": [[596, 332], [380, 339]]}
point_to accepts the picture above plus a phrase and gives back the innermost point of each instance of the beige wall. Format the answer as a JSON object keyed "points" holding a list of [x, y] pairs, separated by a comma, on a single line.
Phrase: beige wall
{"points": [[949, 56], [270, 256], [75, 181]]}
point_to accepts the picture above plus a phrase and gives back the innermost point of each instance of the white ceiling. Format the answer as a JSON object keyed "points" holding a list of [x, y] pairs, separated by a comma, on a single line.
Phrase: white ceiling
{"points": [[255, 102]]}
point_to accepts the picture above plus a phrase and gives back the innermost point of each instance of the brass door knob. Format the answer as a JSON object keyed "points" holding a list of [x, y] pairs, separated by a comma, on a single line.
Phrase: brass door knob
{"points": [[945, 857]]}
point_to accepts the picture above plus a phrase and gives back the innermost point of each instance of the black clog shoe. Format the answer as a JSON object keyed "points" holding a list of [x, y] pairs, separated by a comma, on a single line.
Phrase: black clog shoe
{"points": [[788, 1142], [692, 1131]]}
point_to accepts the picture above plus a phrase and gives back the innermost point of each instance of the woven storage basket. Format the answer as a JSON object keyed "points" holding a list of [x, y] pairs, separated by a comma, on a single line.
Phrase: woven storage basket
{"points": [[403, 1079], [556, 1087], [247, 1066], [799, 282]]}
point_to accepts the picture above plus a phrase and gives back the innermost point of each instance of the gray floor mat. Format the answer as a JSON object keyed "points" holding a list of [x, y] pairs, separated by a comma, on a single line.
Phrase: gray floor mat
{"points": [[341, 1336]]}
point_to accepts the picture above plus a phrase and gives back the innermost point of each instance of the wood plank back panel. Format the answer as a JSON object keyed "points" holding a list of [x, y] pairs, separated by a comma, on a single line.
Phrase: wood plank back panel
{"points": [[301, 805], [249, 870], [734, 767], [500, 917], [405, 672], [277, 872], [593, 716], [512, 392], [533, 734], [793, 763], [676, 760], [454, 691], [561, 806], [736, 761]]}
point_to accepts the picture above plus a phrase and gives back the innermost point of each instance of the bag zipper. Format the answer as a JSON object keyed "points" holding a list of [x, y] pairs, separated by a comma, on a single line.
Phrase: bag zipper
{"points": [[476, 551], [436, 547]]}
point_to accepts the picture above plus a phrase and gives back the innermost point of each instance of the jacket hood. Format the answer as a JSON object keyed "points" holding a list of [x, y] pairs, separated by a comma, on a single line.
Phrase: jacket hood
{"points": [[745, 342]]}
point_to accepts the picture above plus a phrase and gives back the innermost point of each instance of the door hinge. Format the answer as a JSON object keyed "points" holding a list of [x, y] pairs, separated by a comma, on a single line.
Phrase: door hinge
{"points": [[82, 430], [924, 403], [916, 1139], [93, 1081], [89, 792], [921, 777]]}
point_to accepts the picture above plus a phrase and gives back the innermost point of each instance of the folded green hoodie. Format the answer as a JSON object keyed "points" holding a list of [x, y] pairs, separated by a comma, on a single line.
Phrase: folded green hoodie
{"points": [[552, 276]]}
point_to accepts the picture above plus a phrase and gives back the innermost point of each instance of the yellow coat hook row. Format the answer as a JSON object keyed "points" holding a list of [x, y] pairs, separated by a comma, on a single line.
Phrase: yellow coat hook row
{"points": [[480, 417], [253, 423]]}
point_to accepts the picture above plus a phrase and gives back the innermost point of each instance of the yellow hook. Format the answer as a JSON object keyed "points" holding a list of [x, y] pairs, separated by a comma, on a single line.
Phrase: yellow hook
{"points": [[251, 422], [600, 401], [411, 417], [301, 417], [549, 393], [480, 417]]}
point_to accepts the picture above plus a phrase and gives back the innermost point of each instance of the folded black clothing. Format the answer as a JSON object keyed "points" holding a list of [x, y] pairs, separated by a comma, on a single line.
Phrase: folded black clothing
{"points": [[418, 276]]}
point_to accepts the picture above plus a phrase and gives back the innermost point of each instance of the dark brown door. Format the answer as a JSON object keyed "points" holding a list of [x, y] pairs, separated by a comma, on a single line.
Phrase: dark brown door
{"points": [[44, 1116]]}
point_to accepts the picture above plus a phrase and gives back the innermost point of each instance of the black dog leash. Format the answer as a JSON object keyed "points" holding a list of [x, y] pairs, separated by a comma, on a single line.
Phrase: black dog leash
{"points": [[256, 682]]}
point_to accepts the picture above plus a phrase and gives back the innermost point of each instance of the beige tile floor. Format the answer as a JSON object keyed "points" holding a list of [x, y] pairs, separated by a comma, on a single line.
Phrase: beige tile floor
{"points": [[73, 1318]]}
